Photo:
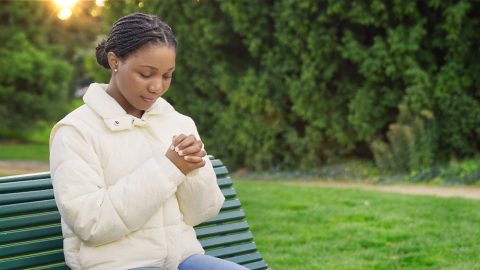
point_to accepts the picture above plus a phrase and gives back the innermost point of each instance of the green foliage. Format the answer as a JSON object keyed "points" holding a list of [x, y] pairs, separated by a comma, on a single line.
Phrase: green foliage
{"points": [[34, 77], [286, 84], [461, 172], [411, 143], [454, 172], [33, 85]]}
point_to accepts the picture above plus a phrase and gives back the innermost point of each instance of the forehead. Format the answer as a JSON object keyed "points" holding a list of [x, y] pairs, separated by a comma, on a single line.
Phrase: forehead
{"points": [[155, 55]]}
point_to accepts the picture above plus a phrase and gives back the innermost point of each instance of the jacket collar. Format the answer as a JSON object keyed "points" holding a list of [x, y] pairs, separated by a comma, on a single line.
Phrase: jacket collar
{"points": [[114, 116]]}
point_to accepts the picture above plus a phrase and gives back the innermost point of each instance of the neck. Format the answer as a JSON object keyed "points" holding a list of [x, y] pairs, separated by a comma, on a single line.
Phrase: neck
{"points": [[123, 102]]}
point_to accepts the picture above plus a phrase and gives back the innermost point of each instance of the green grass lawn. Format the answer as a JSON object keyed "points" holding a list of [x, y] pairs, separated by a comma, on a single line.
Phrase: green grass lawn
{"points": [[27, 151], [308, 227]]}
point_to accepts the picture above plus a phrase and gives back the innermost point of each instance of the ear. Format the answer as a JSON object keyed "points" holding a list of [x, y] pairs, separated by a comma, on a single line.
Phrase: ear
{"points": [[112, 60]]}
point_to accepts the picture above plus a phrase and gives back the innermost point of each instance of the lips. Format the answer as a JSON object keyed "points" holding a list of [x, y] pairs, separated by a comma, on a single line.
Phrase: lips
{"points": [[149, 100]]}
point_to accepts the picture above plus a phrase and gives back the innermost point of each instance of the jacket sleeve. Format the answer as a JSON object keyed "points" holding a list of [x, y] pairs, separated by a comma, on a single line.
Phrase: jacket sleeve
{"points": [[97, 213], [199, 196]]}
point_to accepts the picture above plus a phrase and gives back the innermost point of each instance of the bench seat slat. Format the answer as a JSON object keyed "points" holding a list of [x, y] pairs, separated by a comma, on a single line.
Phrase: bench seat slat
{"points": [[34, 260], [28, 207], [231, 204], [221, 229], [226, 240], [216, 162], [229, 192], [224, 182], [219, 171], [231, 251], [246, 258], [260, 265], [31, 247], [30, 233], [28, 196], [56, 266], [10, 187], [29, 220], [25, 177], [225, 217]]}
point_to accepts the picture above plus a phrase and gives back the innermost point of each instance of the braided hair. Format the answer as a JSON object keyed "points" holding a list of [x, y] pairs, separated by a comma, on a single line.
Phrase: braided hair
{"points": [[131, 32]]}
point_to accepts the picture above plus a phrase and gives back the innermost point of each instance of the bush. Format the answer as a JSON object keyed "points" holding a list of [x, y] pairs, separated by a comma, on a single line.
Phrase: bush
{"points": [[411, 143], [287, 84], [33, 85], [34, 77]]}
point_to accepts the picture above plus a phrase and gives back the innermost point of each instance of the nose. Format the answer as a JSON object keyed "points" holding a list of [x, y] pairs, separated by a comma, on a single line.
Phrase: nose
{"points": [[156, 86]]}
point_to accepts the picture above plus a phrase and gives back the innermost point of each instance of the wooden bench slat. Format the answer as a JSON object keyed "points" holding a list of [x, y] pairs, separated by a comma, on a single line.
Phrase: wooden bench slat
{"points": [[229, 192], [25, 177], [219, 171], [216, 162], [224, 181], [55, 266], [226, 240], [10, 187], [260, 265], [28, 196], [27, 207], [37, 246], [29, 220], [231, 251], [34, 260], [246, 258], [230, 205], [225, 217], [221, 229], [30, 233]]}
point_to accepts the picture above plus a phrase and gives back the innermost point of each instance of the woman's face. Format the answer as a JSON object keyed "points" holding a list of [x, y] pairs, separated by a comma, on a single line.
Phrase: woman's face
{"points": [[142, 77]]}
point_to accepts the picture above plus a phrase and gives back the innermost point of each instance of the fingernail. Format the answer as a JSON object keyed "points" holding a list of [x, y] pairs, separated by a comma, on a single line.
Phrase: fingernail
{"points": [[180, 153], [177, 149], [185, 157], [172, 148]]}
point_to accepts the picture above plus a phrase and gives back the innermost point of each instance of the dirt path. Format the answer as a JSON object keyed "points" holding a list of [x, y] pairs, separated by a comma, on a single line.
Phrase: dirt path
{"points": [[467, 192], [8, 167]]}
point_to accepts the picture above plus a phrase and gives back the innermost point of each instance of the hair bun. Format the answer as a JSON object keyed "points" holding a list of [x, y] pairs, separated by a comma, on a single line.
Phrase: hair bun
{"points": [[101, 54]]}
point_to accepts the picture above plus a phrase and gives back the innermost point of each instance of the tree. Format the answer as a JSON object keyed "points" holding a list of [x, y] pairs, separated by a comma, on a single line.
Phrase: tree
{"points": [[282, 84], [34, 79]]}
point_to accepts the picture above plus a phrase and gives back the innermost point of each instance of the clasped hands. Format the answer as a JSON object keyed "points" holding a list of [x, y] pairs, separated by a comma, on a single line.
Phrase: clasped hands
{"points": [[186, 152]]}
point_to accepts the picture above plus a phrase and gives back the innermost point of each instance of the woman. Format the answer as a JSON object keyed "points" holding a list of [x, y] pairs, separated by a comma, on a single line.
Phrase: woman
{"points": [[130, 175]]}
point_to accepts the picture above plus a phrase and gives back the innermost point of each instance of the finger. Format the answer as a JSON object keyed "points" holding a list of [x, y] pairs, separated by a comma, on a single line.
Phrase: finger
{"points": [[194, 148], [186, 142], [193, 159], [172, 146], [178, 139]]}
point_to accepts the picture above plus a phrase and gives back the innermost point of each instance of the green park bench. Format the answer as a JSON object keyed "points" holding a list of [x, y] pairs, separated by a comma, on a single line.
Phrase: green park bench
{"points": [[31, 236]]}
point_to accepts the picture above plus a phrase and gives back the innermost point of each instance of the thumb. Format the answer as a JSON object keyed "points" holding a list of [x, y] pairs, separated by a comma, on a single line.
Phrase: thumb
{"points": [[172, 146]]}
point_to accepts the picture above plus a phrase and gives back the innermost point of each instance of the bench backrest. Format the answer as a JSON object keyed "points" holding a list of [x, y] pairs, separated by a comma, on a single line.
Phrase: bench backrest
{"points": [[31, 236]]}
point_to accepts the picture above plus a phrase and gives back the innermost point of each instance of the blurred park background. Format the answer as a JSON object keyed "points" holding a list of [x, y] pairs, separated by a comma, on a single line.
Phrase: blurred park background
{"points": [[371, 91]]}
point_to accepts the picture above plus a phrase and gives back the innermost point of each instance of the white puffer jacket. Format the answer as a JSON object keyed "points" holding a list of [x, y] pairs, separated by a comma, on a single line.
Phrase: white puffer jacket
{"points": [[123, 203]]}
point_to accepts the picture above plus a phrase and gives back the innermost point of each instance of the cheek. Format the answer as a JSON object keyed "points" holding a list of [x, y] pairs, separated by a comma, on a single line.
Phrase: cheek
{"points": [[166, 84], [130, 84]]}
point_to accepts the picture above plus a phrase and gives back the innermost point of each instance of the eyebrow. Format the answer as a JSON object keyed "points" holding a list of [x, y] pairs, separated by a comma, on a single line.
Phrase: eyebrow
{"points": [[152, 67]]}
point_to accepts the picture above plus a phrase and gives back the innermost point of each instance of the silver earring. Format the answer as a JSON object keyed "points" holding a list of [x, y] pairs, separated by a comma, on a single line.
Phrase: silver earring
{"points": [[116, 70]]}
